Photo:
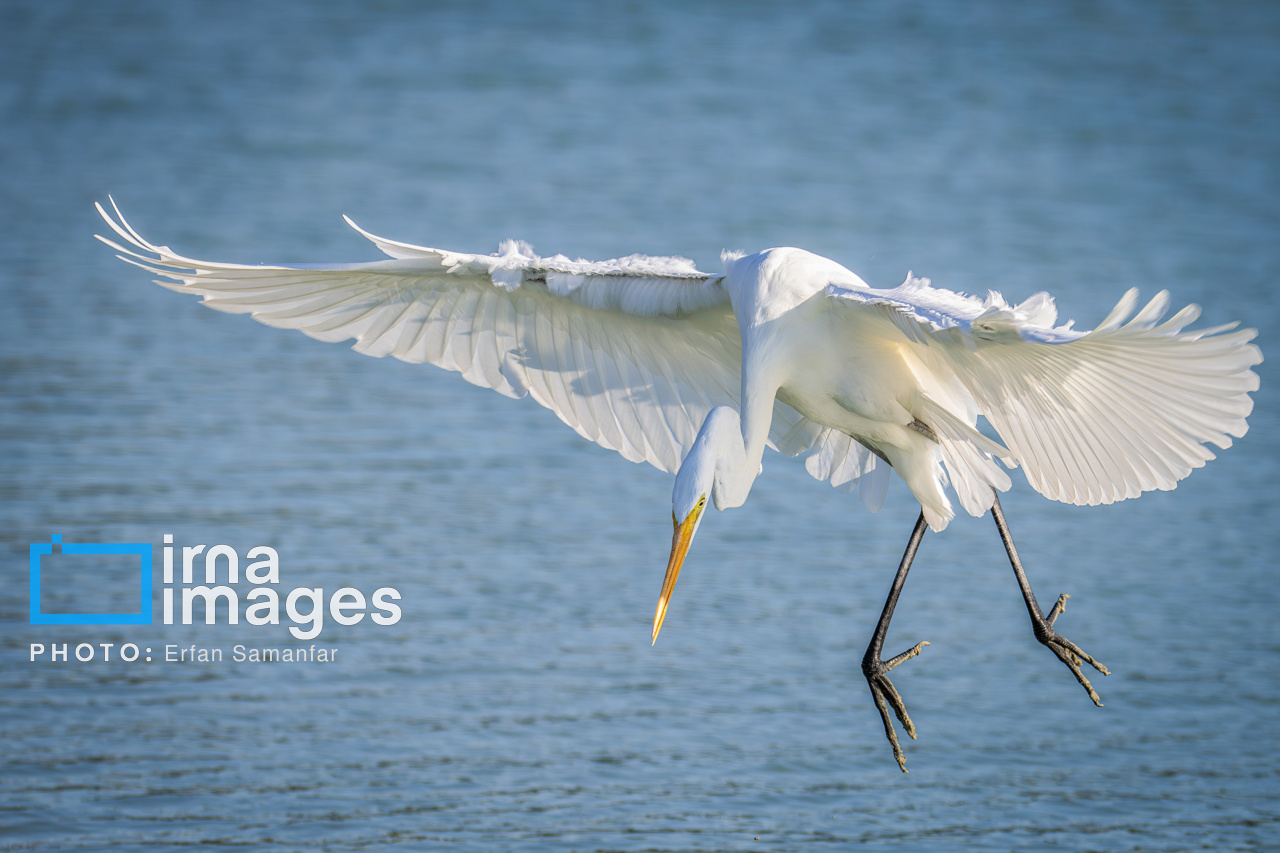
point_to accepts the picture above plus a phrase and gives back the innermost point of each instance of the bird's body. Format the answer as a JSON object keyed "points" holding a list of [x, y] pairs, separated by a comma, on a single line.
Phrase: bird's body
{"points": [[854, 374], [698, 373]]}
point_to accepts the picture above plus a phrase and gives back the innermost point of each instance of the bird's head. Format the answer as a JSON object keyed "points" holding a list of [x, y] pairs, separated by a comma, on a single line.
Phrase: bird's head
{"points": [[703, 476]]}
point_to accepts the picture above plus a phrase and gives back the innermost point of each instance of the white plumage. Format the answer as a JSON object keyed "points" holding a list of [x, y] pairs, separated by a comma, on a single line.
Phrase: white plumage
{"points": [[633, 353], [696, 373]]}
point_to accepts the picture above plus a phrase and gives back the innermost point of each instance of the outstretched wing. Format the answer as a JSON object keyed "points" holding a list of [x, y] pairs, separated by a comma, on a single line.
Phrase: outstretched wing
{"points": [[1092, 417], [632, 353]]}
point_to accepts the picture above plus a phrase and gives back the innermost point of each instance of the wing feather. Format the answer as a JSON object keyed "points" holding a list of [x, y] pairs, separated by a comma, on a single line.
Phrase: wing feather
{"points": [[630, 353], [1092, 417]]}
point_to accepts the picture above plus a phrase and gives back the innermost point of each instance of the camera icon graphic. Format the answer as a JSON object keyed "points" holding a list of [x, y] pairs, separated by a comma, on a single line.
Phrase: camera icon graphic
{"points": [[140, 549]]}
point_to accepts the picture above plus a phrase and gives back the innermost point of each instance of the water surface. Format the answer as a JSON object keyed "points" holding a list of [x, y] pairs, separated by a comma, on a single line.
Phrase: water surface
{"points": [[518, 705]]}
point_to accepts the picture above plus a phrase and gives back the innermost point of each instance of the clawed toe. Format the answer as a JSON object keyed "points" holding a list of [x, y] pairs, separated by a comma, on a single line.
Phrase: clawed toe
{"points": [[1059, 607], [886, 696], [1068, 652]]}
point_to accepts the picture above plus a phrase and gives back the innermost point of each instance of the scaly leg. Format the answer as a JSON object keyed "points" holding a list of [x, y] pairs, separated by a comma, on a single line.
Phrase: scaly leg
{"points": [[877, 670], [1067, 651]]}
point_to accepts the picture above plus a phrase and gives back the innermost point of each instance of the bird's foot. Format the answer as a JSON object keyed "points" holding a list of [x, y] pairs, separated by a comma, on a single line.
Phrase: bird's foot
{"points": [[1067, 651], [882, 690]]}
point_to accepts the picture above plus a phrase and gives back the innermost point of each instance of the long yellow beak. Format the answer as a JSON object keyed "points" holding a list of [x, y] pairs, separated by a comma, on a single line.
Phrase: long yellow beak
{"points": [[679, 548]]}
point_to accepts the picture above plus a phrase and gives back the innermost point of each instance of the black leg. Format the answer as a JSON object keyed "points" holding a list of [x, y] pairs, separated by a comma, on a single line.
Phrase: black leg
{"points": [[877, 670], [1067, 651]]}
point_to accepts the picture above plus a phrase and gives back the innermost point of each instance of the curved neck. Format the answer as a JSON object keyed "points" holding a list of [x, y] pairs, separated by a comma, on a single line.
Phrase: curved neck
{"points": [[758, 391], [735, 467]]}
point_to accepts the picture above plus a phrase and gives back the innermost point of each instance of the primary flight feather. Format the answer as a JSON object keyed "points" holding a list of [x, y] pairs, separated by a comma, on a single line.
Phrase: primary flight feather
{"points": [[696, 373]]}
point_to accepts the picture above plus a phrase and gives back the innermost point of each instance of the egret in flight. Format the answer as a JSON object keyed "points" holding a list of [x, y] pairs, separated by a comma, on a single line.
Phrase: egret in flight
{"points": [[697, 373]]}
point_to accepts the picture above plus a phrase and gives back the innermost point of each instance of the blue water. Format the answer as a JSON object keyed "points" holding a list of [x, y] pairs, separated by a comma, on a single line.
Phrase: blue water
{"points": [[517, 704]]}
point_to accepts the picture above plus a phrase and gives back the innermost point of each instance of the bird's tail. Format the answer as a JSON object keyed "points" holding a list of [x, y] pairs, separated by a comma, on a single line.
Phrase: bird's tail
{"points": [[968, 462]]}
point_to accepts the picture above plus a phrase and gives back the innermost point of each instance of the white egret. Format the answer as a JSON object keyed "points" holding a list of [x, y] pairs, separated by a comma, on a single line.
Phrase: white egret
{"points": [[697, 373]]}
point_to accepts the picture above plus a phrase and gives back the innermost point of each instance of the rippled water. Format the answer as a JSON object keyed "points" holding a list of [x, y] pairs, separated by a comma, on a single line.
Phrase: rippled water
{"points": [[518, 705]]}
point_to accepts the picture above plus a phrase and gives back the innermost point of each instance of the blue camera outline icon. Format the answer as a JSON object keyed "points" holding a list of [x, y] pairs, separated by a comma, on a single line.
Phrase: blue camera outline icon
{"points": [[141, 549]]}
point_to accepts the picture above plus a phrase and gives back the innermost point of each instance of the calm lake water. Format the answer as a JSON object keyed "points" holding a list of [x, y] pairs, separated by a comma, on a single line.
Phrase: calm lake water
{"points": [[517, 705]]}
